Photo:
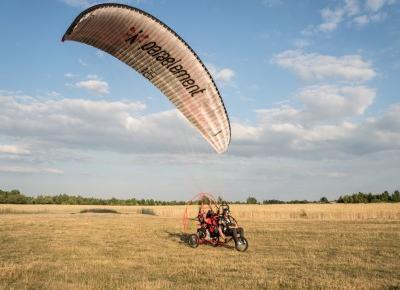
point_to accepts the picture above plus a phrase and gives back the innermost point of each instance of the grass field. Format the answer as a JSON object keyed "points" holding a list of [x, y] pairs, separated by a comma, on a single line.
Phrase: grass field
{"points": [[291, 246]]}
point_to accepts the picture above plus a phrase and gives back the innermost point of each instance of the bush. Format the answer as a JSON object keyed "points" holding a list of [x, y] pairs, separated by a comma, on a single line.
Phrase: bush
{"points": [[324, 200], [251, 200]]}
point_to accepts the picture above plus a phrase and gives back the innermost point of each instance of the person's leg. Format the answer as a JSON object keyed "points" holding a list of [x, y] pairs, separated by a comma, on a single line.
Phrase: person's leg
{"points": [[234, 234], [240, 231]]}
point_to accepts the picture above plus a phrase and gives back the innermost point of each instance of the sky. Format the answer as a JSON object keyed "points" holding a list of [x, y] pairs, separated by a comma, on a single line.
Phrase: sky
{"points": [[311, 89]]}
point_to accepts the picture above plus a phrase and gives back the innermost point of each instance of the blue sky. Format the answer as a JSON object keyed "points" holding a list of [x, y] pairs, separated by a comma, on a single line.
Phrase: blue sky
{"points": [[311, 88]]}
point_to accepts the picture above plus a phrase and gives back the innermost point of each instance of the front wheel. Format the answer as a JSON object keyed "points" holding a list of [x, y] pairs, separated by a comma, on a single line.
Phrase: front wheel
{"points": [[193, 241], [241, 245]]}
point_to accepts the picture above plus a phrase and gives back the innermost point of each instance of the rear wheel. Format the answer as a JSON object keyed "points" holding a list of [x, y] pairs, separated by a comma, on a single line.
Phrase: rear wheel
{"points": [[241, 245], [193, 241]]}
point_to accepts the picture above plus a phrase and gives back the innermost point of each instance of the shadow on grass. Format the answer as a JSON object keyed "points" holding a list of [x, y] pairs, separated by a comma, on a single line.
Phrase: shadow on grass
{"points": [[99, 210], [184, 239]]}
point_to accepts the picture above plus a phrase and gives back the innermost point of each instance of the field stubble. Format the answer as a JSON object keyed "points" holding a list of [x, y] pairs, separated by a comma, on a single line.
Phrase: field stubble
{"points": [[291, 246]]}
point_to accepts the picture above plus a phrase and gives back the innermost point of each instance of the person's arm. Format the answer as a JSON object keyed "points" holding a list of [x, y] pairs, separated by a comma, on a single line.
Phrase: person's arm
{"points": [[233, 223], [221, 233]]}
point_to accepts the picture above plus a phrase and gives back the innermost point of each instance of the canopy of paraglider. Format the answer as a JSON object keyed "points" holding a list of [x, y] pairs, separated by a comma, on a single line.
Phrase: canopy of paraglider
{"points": [[160, 55]]}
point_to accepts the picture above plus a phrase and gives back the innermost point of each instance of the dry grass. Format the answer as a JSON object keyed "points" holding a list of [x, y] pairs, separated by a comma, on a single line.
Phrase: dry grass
{"points": [[328, 247]]}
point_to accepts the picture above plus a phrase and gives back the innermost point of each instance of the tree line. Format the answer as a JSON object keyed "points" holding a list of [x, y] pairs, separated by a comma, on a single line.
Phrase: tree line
{"points": [[16, 197], [370, 198], [348, 198]]}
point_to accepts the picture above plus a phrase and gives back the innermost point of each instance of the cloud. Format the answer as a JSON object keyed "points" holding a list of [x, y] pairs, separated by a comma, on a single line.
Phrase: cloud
{"points": [[92, 77], [352, 12], [329, 122], [96, 125], [53, 94], [29, 169], [317, 67], [331, 18], [71, 75], [363, 20], [94, 85], [13, 149], [224, 75], [286, 131], [79, 3], [330, 101], [376, 5]]}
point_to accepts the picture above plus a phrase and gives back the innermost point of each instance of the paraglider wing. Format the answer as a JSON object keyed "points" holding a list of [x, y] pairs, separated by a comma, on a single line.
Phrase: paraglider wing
{"points": [[160, 55]]}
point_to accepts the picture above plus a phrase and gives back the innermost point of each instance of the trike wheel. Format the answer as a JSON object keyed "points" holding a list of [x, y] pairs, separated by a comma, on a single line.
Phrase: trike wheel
{"points": [[193, 241], [241, 245]]}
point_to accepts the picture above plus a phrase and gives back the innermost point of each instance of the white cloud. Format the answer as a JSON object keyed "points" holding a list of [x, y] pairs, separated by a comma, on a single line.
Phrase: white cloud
{"points": [[70, 75], [332, 18], [79, 3], [284, 146], [114, 126], [224, 75], [363, 20], [352, 12], [29, 169], [376, 5], [329, 123], [53, 94], [97, 86], [286, 131], [315, 67], [13, 149], [334, 101]]}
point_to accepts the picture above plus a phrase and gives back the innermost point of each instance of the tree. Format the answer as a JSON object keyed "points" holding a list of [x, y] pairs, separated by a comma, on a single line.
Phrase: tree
{"points": [[324, 200], [251, 200], [396, 196]]}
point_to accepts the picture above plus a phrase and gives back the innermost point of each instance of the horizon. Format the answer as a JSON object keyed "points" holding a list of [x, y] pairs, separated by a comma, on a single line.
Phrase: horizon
{"points": [[310, 89]]}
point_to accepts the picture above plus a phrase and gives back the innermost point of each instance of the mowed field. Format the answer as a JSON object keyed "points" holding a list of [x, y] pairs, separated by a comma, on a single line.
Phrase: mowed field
{"points": [[327, 246]]}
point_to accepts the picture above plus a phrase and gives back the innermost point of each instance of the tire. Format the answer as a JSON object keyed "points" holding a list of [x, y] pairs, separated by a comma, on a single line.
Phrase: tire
{"points": [[193, 241], [241, 245], [202, 233]]}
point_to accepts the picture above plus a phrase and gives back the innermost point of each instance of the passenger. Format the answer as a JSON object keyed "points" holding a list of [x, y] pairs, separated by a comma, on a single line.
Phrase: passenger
{"points": [[230, 226], [212, 221]]}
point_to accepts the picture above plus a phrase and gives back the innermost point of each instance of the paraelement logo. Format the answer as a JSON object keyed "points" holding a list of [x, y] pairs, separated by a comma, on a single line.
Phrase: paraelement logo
{"points": [[135, 35]]}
